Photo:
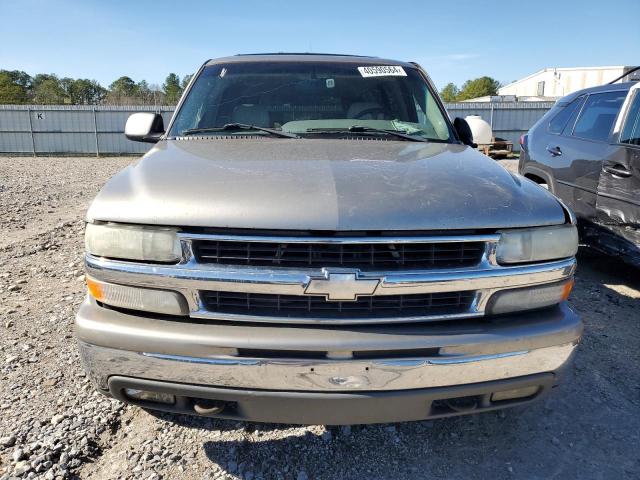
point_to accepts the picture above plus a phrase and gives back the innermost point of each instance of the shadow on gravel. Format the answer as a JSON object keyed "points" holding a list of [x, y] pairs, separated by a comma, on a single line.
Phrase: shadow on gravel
{"points": [[361, 451], [252, 451], [602, 268], [215, 424]]}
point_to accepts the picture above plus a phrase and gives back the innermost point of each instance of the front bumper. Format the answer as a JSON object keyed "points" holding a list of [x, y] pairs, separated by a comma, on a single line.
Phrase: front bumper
{"points": [[312, 408], [326, 374]]}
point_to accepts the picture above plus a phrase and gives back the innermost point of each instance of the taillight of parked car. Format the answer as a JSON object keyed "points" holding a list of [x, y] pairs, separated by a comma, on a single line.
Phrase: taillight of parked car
{"points": [[523, 142]]}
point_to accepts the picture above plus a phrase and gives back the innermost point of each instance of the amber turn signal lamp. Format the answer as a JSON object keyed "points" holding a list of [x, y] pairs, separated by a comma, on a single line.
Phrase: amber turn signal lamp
{"points": [[566, 290], [95, 289]]}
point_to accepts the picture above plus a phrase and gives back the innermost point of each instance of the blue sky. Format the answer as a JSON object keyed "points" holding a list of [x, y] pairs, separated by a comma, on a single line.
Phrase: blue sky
{"points": [[454, 41]]}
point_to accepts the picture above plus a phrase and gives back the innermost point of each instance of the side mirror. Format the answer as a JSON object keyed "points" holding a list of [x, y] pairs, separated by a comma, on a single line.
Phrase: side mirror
{"points": [[144, 127], [464, 132]]}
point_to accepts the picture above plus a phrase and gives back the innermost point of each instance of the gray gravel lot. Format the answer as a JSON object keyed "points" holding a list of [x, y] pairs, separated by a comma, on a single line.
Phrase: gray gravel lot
{"points": [[53, 425]]}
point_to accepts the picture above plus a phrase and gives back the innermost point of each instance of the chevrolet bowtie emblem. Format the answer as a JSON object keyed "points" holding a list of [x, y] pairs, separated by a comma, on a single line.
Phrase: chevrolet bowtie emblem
{"points": [[341, 286]]}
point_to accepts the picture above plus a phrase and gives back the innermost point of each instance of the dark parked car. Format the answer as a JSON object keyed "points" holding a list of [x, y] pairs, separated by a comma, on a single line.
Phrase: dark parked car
{"points": [[586, 150]]}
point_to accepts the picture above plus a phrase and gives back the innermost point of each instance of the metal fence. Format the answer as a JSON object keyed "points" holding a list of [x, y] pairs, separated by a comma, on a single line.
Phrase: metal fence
{"points": [[508, 120], [99, 130], [66, 129]]}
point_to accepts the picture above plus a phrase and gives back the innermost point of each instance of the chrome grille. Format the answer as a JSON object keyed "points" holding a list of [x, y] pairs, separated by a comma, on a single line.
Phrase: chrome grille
{"points": [[388, 256], [300, 306], [416, 274]]}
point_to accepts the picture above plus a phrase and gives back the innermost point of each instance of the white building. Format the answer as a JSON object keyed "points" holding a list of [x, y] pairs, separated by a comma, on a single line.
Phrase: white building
{"points": [[558, 82]]}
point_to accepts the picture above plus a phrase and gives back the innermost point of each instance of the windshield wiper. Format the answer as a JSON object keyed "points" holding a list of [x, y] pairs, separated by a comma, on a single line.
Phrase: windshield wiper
{"points": [[362, 129], [240, 126]]}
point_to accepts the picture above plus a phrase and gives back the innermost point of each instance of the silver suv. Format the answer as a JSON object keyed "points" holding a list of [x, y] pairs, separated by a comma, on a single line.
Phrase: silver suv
{"points": [[312, 240]]}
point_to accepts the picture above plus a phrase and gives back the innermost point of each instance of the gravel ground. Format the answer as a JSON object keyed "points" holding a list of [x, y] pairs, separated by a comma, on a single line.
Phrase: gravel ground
{"points": [[53, 425]]}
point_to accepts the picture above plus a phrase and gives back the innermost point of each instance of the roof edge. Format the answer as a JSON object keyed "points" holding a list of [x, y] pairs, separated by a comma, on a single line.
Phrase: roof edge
{"points": [[562, 69]]}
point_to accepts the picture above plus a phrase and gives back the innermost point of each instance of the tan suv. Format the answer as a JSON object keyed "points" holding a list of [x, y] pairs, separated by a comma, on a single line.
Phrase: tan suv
{"points": [[312, 240]]}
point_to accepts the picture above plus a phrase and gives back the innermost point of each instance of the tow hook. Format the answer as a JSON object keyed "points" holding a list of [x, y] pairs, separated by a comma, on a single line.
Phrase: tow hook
{"points": [[208, 407], [462, 404]]}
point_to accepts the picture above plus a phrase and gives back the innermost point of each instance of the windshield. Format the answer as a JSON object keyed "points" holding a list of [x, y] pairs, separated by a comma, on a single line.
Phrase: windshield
{"points": [[311, 99]]}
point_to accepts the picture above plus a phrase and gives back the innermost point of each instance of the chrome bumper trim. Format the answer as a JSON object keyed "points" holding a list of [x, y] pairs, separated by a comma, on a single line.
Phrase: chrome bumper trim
{"points": [[345, 240], [190, 277], [295, 282], [321, 375], [234, 317], [397, 363]]}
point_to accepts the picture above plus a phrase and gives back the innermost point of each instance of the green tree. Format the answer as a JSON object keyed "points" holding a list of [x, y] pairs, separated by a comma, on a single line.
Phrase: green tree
{"points": [[12, 91], [172, 88], [449, 93], [66, 84], [144, 93], [19, 78], [185, 81], [46, 89], [124, 86], [123, 91], [86, 92], [478, 87]]}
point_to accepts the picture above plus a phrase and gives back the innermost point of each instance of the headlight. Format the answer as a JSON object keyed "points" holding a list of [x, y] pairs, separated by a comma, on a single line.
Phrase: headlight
{"points": [[133, 242], [135, 298], [537, 244], [529, 298]]}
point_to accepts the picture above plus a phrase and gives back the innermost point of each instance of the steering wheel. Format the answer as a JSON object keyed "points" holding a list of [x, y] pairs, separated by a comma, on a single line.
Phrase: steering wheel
{"points": [[373, 111]]}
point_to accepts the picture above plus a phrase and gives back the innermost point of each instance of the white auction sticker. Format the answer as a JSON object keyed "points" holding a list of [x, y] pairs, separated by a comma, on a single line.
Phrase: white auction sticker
{"points": [[382, 71]]}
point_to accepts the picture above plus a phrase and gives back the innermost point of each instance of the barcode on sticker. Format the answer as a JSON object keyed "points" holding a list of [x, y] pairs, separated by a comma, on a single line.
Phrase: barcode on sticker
{"points": [[382, 71]]}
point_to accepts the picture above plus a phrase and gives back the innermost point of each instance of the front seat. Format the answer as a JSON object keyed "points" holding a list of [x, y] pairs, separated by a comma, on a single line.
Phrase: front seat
{"points": [[366, 111], [252, 115]]}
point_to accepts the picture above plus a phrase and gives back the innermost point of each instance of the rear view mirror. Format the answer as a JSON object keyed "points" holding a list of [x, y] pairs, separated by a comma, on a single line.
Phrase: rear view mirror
{"points": [[464, 131], [144, 127]]}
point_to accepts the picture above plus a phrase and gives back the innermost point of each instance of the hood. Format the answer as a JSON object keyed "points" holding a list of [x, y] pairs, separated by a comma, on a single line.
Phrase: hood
{"points": [[321, 184]]}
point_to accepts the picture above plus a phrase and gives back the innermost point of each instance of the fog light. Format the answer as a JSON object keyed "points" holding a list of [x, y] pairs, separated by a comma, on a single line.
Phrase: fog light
{"points": [[529, 298], [135, 298], [515, 393], [147, 396]]}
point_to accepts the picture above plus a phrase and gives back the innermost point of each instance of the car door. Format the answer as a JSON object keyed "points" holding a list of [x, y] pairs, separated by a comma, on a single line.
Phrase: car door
{"points": [[549, 152], [618, 202], [580, 150]]}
